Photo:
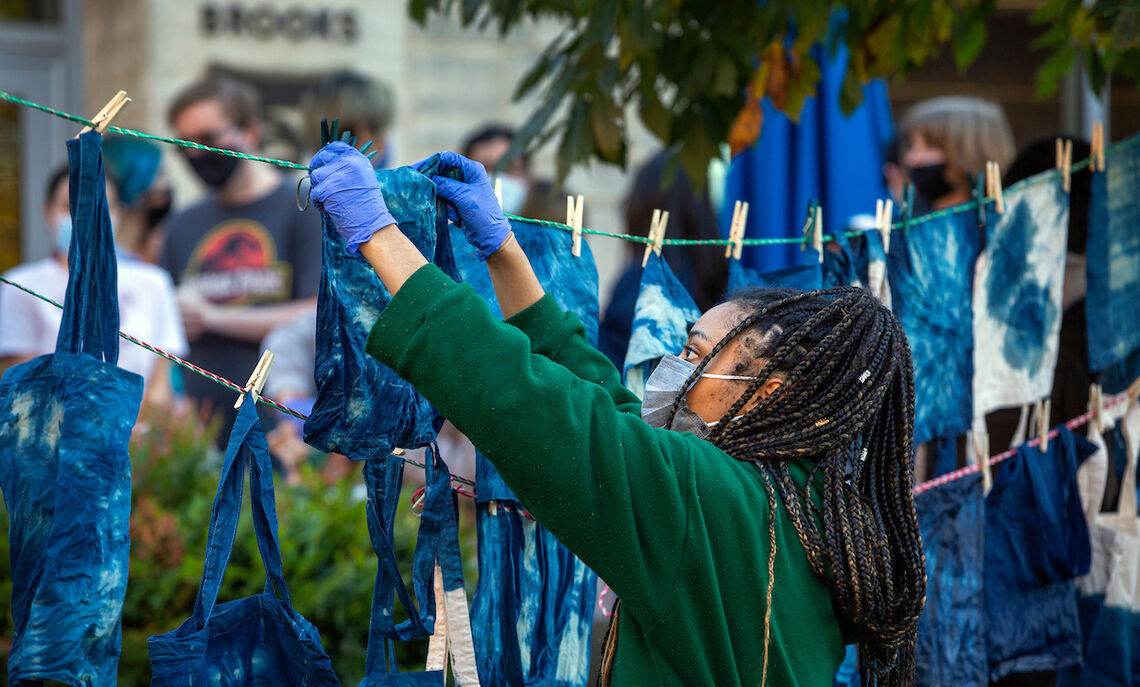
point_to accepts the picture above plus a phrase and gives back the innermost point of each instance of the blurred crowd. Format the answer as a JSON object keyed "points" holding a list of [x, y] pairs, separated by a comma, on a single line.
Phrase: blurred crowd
{"points": [[219, 280]]}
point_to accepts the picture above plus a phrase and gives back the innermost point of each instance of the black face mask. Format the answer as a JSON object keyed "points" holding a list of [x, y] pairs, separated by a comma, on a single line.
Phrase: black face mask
{"points": [[930, 181], [157, 212], [213, 169]]}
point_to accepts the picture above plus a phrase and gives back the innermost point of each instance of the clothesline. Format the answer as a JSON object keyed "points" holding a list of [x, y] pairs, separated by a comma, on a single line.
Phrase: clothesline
{"points": [[1079, 421], [925, 486], [221, 380], [907, 222], [903, 224]]}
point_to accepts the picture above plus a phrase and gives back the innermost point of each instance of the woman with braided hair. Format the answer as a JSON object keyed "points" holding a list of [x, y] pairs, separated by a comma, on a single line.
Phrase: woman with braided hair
{"points": [[770, 527]]}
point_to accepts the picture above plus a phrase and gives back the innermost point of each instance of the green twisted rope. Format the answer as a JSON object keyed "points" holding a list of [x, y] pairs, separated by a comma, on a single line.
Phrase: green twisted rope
{"points": [[937, 214]]}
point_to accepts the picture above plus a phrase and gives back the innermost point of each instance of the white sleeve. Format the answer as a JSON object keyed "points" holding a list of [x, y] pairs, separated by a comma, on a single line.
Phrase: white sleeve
{"points": [[21, 330], [170, 335]]}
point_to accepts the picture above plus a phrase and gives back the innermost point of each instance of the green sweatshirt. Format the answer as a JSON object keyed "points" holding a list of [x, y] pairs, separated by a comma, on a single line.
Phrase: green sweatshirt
{"points": [[675, 526]]}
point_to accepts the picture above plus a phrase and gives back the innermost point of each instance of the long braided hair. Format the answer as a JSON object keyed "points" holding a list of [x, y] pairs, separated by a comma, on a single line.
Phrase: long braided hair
{"points": [[847, 405]]}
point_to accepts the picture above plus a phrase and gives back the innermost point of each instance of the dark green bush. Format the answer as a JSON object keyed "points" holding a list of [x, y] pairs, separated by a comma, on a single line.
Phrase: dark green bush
{"points": [[324, 543]]}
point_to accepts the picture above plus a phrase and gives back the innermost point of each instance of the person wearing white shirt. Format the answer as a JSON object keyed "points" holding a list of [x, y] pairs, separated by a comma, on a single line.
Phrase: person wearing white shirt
{"points": [[147, 306]]}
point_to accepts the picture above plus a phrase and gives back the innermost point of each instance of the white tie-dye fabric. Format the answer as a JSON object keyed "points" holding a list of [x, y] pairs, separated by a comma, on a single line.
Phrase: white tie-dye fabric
{"points": [[1017, 296]]}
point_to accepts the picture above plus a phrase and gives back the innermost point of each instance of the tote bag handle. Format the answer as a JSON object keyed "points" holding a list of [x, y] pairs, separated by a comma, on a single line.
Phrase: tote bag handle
{"points": [[247, 445], [90, 321]]}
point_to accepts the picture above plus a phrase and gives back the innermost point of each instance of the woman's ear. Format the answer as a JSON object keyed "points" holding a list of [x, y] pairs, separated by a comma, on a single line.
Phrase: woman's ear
{"points": [[769, 387]]}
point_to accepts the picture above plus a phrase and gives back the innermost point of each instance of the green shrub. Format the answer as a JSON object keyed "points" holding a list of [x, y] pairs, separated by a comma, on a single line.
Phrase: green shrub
{"points": [[329, 563]]}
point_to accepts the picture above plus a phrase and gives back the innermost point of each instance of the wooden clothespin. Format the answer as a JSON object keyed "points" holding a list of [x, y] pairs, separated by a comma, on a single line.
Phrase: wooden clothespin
{"points": [[736, 230], [1096, 147], [1065, 162], [817, 237], [1096, 406], [1041, 411], [738, 242], [982, 459], [574, 219], [884, 213], [732, 228], [102, 118], [993, 186], [656, 234], [257, 380]]}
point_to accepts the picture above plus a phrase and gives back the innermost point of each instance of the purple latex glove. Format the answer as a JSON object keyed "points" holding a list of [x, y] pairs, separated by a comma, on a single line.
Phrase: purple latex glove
{"points": [[345, 186], [473, 199]]}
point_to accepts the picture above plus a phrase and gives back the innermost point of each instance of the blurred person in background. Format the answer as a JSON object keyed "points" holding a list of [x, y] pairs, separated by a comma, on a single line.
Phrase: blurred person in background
{"points": [[364, 106], [145, 195], [946, 143], [894, 174], [701, 269], [523, 194], [244, 257], [147, 308]]}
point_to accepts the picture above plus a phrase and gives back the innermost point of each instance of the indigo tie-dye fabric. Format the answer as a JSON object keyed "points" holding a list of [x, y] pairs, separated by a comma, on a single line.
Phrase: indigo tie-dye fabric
{"points": [[532, 611], [951, 648], [1109, 601], [1017, 296], [1113, 304], [800, 277], [931, 268], [65, 422], [363, 408], [661, 321], [840, 263], [436, 542], [1036, 543], [258, 640]]}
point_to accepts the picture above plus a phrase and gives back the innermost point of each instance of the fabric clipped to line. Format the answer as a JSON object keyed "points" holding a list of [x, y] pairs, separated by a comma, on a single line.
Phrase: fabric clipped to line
{"points": [[1109, 595], [352, 386], [1017, 297], [258, 640], [662, 317], [532, 611], [1114, 260], [951, 649], [69, 555], [931, 269], [1036, 543], [437, 573]]}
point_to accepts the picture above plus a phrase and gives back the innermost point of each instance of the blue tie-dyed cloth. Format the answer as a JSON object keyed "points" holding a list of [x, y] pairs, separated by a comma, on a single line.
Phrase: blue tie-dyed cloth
{"points": [[931, 267], [661, 321], [65, 422], [258, 640], [1113, 305], [1036, 543], [363, 408], [533, 607], [1017, 296], [436, 542], [840, 266], [951, 648]]}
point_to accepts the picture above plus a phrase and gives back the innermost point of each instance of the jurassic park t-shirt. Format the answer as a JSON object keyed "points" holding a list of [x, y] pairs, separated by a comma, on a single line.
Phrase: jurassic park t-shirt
{"points": [[262, 253]]}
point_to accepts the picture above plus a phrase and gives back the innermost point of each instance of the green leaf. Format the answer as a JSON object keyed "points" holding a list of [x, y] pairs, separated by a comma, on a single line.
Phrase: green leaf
{"points": [[851, 95], [968, 44], [1050, 73], [802, 85], [654, 114], [605, 119]]}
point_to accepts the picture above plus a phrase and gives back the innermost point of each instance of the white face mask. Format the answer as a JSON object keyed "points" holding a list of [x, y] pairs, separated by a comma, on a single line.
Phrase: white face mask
{"points": [[63, 228], [664, 386], [514, 191]]}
